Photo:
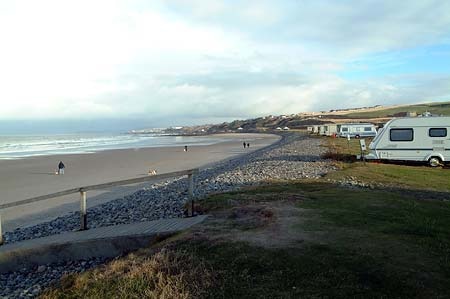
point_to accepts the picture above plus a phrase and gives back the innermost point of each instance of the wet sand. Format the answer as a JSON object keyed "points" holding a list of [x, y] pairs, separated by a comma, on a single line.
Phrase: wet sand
{"points": [[30, 177]]}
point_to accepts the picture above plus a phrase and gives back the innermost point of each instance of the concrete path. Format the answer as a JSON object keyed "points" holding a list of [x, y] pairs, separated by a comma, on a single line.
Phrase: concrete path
{"points": [[107, 241]]}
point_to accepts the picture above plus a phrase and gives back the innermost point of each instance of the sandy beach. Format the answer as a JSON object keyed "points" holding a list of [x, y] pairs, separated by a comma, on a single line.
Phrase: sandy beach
{"points": [[30, 177]]}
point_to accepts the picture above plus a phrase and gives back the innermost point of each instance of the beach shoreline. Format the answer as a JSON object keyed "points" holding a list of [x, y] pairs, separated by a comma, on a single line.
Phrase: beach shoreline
{"points": [[34, 176]]}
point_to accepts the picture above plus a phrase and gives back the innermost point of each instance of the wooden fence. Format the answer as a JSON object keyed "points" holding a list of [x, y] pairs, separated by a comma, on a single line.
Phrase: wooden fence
{"points": [[83, 197]]}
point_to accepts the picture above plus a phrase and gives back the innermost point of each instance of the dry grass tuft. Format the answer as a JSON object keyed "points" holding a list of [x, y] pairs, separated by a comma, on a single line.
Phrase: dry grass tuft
{"points": [[165, 274], [332, 155]]}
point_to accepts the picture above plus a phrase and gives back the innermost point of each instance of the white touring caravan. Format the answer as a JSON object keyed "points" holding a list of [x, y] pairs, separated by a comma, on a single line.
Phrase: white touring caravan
{"points": [[322, 130], [413, 139], [315, 129], [357, 130], [331, 129]]}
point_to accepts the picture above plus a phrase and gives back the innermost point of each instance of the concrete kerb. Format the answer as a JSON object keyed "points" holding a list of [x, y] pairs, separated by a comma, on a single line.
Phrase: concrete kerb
{"points": [[106, 248], [73, 247]]}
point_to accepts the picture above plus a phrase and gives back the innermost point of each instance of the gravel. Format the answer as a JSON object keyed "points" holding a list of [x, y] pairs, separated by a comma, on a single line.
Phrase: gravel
{"points": [[295, 156]]}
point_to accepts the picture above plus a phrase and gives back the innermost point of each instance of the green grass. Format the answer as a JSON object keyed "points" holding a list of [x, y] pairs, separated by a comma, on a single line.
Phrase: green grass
{"points": [[377, 244], [361, 244], [342, 146], [398, 176], [392, 175], [373, 244], [435, 108], [316, 271]]}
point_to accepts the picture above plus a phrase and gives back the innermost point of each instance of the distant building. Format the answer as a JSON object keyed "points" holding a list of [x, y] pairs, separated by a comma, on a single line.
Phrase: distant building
{"points": [[411, 114]]}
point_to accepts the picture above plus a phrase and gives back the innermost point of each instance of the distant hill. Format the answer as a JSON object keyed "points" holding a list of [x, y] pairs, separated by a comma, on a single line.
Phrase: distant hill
{"points": [[376, 114]]}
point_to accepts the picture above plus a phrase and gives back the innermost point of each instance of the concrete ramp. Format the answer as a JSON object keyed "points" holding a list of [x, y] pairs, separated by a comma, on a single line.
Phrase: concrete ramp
{"points": [[107, 241]]}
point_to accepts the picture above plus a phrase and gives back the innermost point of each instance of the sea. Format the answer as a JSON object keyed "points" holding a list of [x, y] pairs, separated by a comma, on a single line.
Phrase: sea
{"points": [[22, 146]]}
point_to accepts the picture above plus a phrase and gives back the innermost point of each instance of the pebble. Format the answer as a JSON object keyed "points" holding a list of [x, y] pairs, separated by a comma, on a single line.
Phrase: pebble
{"points": [[294, 157]]}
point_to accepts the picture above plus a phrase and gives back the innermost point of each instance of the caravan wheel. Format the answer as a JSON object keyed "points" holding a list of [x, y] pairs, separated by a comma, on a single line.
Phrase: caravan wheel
{"points": [[434, 161]]}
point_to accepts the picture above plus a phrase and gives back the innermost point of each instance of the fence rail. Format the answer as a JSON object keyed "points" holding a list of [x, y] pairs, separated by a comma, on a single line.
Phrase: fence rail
{"points": [[83, 196]]}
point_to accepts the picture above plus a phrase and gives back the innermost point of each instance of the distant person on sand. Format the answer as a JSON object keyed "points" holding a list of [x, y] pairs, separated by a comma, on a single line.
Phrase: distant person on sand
{"points": [[185, 148], [61, 167], [248, 144], [245, 144]]}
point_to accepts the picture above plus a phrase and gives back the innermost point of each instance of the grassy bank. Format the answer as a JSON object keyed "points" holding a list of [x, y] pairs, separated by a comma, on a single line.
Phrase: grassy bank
{"points": [[305, 239]]}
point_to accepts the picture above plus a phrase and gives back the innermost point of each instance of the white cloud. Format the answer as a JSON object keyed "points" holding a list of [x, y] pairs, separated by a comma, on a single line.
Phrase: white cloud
{"points": [[181, 59]]}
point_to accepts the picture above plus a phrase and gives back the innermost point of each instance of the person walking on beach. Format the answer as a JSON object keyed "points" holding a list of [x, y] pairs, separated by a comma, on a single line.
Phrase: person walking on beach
{"points": [[245, 144], [61, 167], [248, 145], [185, 148]]}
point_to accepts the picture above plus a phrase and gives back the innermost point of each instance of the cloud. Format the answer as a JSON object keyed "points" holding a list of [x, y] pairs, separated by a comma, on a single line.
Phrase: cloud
{"points": [[182, 60], [219, 97], [347, 26]]}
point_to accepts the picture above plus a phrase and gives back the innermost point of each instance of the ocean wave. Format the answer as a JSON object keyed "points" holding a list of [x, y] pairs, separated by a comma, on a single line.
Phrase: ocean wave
{"points": [[12, 147]]}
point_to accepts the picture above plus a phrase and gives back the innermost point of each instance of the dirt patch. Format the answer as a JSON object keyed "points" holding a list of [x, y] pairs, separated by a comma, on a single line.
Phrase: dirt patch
{"points": [[285, 229], [251, 217], [268, 224]]}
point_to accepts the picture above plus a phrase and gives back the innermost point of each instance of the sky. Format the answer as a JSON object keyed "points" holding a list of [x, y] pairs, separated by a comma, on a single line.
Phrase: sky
{"points": [[161, 63]]}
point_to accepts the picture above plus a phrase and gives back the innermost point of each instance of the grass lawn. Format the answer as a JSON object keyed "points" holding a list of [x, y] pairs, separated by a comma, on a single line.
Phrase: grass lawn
{"points": [[393, 175], [305, 239]]}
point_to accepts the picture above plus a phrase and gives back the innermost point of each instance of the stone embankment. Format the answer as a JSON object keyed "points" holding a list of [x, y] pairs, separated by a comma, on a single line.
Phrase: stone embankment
{"points": [[295, 156]]}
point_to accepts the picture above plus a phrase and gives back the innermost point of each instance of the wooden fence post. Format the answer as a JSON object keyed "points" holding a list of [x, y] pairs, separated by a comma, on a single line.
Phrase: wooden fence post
{"points": [[83, 213], [1, 232], [191, 192]]}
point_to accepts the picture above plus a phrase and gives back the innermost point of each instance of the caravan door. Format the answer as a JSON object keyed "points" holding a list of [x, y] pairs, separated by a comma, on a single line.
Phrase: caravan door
{"points": [[440, 141]]}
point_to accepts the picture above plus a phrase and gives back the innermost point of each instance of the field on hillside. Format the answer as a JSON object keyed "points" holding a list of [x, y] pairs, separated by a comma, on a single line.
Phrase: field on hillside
{"points": [[434, 108]]}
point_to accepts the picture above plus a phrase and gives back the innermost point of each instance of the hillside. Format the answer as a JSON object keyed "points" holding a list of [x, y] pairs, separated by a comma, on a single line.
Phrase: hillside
{"points": [[376, 114], [399, 111]]}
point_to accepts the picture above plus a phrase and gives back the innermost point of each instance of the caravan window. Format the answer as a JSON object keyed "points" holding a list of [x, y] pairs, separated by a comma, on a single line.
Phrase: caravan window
{"points": [[437, 132], [344, 129], [367, 129], [402, 134]]}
